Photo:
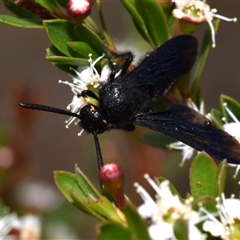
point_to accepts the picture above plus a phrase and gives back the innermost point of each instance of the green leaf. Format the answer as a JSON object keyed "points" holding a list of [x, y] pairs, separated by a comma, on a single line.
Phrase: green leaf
{"points": [[157, 140], [203, 176], [201, 62], [97, 203], [24, 19], [68, 61], [208, 203], [84, 196], [87, 35], [63, 62], [137, 19], [216, 118], [67, 182], [221, 176], [85, 184], [50, 5], [62, 3], [113, 231], [82, 49], [232, 105], [60, 32], [90, 23], [84, 206], [135, 222], [19, 11], [180, 229], [21, 22], [105, 208], [154, 19]]}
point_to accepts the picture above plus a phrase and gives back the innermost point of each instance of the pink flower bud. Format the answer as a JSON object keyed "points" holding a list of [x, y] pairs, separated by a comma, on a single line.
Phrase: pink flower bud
{"points": [[112, 177], [80, 8]]}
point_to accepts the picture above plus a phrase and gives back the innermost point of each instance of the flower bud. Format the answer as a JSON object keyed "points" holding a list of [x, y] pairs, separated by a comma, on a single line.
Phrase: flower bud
{"points": [[111, 176], [80, 8]]}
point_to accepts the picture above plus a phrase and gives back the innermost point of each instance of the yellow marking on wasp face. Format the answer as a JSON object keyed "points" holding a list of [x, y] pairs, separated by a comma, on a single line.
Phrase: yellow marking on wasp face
{"points": [[92, 107], [104, 121]]}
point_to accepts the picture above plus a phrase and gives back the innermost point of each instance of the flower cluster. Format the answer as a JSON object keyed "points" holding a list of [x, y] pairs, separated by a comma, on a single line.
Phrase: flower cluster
{"points": [[162, 215], [233, 128], [197, 12], [87, 78], [27, 227], [226, 222]]}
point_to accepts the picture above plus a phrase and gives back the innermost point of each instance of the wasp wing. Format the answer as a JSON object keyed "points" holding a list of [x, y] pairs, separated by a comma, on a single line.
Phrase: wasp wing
{"points": [[190, 127], [158, 71]]}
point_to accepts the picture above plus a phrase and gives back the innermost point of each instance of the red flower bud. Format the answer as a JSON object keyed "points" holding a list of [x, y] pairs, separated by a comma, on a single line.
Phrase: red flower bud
{"points": [[112, 177], [80, 8]]}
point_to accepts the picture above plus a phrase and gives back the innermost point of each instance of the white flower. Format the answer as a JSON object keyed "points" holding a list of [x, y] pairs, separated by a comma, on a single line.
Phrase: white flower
{"points": [[7, 223], [228, 224], [163, 213], [87, 79], [197, 11], [26, 227], [187, 151], [233, 128]]}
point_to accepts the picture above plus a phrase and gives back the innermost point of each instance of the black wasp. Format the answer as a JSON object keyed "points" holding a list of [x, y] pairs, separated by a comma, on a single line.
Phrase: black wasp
{"points": [[121, 102]]}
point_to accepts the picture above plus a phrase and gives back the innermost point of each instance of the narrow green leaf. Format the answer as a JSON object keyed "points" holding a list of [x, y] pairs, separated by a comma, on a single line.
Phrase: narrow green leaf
{"points": [[87, 35], [208, 203], [113, 231], [21, 22], [50, 5], [54, 57], [84, 206], [201, 62], [232, 105], [19, 11], [85, 184], [62, 62], [216, 118], [60, 32], [69, 187], [97, 203], [90, 23], [137, 19], [203, 176], [62, 3], [221, 176], [82, 49], [67, 61], [67, 182], [135, 222], [105, 208], [155, 21]]}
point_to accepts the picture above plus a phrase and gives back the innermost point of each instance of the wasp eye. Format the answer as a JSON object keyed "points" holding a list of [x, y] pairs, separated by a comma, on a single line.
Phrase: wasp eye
{"points": [[92, 120]]}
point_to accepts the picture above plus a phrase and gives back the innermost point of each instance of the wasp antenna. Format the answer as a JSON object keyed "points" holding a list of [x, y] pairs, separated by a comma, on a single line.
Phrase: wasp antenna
{"points": [[48, 109], [98, 150], [99, 154]]}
